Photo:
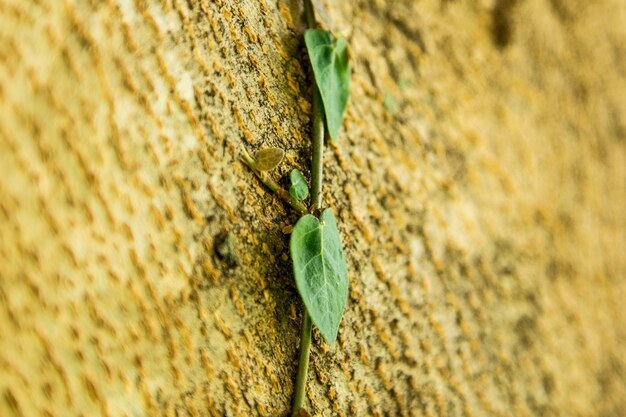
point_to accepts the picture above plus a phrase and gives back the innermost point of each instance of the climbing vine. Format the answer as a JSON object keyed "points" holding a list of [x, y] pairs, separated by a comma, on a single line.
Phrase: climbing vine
{"points": [[319, 265]]}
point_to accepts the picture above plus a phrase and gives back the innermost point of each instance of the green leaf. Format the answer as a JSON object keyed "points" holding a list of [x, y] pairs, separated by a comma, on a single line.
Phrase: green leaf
{"points": [[389, 102], [298, 190], [268, 158], [321, 271], [332, 75]]}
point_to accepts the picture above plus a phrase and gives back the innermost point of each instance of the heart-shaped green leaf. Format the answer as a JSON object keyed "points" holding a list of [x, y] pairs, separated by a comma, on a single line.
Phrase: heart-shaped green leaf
{"points": [[268, 158], [321, 271], [332, 75], [298, 190]]}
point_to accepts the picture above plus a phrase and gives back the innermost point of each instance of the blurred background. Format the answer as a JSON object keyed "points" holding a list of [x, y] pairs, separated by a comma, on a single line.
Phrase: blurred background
{"points": [[479, 186]]}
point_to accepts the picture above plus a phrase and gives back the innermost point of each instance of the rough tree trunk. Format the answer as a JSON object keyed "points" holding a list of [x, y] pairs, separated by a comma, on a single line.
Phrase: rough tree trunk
{"points": [[479, 182]]}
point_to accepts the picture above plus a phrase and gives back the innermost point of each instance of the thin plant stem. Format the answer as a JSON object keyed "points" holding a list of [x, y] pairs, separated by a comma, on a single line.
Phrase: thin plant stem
{"points": [[303, 363], [316, 198], [317, 165], [273, 185], [309, 14]]}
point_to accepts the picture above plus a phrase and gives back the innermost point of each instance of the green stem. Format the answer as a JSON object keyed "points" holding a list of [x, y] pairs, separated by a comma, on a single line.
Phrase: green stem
{"points": [[273, 185], [309, 13], [303, 364], [317, 166]]}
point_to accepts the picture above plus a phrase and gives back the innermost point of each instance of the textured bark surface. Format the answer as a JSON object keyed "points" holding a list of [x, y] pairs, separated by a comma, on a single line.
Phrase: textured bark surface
{"points": [[479, 184]]}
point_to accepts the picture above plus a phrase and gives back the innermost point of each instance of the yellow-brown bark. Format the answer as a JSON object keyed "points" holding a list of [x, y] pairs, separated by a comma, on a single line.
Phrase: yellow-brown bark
{"points": [[479, 183]]}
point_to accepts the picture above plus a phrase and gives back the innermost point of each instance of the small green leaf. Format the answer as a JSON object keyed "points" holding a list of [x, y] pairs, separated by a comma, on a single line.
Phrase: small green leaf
{"points": [[268, 158], [298, 190], [389, 102], [332, 75], [321, 271]]}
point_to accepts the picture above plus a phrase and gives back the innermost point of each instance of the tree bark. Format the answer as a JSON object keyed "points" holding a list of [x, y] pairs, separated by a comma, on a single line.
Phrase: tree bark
{"points": [[479, 184]]}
